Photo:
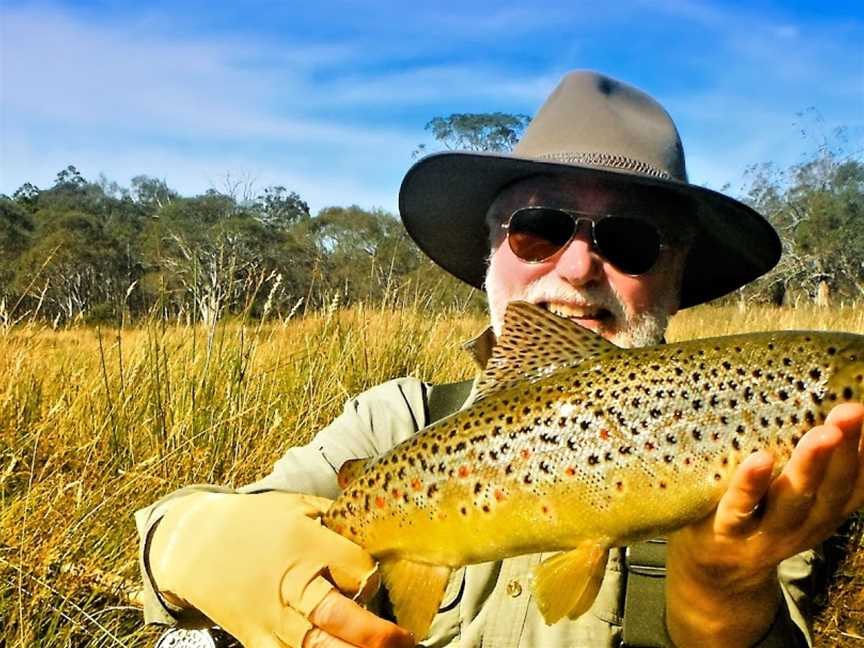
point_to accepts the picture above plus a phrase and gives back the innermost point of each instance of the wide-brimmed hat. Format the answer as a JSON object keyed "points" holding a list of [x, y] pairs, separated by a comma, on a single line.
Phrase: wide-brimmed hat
{"points": [[591, 128]]}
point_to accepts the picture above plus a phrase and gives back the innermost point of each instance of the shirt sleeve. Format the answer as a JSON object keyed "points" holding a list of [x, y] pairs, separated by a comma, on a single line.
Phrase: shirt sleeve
{"points": [[369, 425], [797, 581]]}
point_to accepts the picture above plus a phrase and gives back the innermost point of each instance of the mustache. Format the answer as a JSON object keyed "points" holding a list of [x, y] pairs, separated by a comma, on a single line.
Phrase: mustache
{"points": [[552, 289]]}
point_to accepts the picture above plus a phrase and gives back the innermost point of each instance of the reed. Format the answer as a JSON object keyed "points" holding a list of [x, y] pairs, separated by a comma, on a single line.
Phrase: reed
{"points": [[96, 422]]}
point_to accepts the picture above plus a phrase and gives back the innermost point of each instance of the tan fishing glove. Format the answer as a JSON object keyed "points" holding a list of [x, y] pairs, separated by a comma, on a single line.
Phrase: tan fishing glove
{"points": [[257, 565]]}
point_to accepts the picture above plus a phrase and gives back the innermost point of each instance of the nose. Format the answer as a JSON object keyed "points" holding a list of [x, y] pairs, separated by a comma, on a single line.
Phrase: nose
{"points": [[579, 264]]}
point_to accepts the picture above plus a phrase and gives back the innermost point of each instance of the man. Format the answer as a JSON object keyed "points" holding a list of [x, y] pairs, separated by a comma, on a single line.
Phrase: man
{"points": [[592, 218]]}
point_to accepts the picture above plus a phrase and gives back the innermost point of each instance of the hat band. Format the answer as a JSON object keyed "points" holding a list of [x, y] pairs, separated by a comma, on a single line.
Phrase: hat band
{"points": [[609, 161]]}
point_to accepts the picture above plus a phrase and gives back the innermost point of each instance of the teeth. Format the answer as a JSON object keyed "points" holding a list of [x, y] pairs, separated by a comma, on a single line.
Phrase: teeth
{"points": [[568, 310]]}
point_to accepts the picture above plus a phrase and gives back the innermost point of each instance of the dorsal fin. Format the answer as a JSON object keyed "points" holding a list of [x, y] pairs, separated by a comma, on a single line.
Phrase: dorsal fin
{"points": [[533, 344], [350, 470]]}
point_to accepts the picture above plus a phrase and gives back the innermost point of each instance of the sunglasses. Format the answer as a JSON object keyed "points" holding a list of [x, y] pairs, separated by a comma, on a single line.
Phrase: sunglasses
{"points": [[630, 244]]}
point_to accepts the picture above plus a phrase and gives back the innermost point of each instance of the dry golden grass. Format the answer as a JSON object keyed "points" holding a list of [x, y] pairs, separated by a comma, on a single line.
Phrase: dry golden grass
{"points": [[94, 424]]}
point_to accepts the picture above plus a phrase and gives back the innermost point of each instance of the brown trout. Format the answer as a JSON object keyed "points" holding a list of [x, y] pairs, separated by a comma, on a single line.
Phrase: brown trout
{"points": [[574, 445]]}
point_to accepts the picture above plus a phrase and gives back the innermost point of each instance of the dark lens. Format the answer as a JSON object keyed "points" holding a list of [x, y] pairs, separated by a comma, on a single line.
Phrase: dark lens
{"points": [[630, 244], [537, 234]]}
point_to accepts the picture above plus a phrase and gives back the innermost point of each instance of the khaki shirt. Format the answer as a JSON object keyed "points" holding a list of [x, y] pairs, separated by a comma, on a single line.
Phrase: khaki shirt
{"points": [[486, 605]]}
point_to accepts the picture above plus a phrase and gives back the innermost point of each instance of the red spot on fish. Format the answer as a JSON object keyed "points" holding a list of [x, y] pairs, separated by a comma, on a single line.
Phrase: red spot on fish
{"points": [[525, 453], [416, 484], [570, 471], [545, 509], [463, 471], [396, 493], [604, 434], [379, 502], [499, 495]]}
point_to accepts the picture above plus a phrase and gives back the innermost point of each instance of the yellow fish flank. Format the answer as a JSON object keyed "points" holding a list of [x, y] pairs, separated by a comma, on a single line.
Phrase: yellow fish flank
{"points": [[573, 444]]}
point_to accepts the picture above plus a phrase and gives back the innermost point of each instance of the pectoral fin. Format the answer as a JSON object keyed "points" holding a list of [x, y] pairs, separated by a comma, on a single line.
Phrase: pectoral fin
{"points": [[567, 584], [415, 591]]}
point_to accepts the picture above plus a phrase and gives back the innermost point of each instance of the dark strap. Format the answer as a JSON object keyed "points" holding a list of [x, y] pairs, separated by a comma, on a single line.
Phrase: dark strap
{"points": [[444, 400], [645, 595]]}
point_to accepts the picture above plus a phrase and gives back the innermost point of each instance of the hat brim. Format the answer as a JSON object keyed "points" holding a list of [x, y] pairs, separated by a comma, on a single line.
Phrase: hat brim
{"points": [[444, 198]]}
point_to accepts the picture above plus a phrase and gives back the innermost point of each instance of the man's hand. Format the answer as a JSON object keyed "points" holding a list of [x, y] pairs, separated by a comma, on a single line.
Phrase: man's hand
{"points": [[264, 568], [722, 584]]}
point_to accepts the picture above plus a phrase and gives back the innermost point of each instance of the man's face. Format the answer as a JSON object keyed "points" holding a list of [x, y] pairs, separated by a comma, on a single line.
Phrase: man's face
{"points": [[577, 282]]}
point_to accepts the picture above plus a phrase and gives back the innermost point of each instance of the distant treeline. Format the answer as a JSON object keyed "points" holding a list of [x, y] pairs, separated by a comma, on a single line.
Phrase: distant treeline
{"points": [[91, 251], [94, 251]]}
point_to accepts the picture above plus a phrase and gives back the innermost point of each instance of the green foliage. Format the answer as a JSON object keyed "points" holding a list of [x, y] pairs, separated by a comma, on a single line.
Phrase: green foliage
{"points": [[817, 206], [476, 131]]}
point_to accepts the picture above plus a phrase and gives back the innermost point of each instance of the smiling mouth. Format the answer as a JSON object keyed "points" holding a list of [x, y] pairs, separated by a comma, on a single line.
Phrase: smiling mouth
{"points": [[584, 315]]}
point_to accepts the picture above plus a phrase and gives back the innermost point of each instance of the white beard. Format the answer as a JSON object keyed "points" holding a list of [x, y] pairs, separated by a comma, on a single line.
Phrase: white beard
{"points": [[626, 329]]}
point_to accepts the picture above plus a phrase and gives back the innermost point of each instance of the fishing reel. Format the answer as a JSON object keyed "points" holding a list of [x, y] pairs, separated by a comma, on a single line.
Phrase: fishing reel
{"points": [[203, 638]]}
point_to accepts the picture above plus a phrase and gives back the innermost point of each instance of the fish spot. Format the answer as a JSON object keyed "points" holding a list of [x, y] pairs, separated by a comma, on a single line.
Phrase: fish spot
{"points": [[847, 393], [486, 508], [831, 351], [464, 471], [379, 502], [736, 443]]}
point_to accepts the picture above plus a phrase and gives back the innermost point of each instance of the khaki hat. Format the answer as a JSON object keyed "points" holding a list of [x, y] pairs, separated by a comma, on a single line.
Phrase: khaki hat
{"points": [[600, 130]]}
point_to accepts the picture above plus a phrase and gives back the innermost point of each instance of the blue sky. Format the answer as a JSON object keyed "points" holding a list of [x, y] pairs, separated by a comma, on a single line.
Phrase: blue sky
{"points": [[330, 98]]}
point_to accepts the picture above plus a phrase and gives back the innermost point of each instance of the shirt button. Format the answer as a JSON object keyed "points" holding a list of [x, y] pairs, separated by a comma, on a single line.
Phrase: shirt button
{"points": [[514, 588]]}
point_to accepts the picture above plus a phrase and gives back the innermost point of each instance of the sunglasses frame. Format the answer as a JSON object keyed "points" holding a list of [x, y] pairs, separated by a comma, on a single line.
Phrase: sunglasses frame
{"points": [[593, 218]]}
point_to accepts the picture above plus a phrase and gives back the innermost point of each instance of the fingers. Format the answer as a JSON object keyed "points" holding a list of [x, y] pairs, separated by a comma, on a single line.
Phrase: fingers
{"points": [[793, 493], [817, 488], [344, 619], [735, 511], [344, 563], [849, 418]]}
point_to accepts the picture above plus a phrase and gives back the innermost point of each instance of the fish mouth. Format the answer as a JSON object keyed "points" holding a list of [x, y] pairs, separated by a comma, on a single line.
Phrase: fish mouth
{"points": [[586, 315]]}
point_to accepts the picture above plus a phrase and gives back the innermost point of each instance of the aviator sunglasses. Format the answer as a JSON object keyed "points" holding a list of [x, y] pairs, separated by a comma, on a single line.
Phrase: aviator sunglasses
{"points": [[536, 234]]}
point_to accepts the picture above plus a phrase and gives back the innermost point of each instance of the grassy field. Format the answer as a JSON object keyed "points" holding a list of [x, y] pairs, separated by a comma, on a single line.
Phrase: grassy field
{"points": [[96, 423]]}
